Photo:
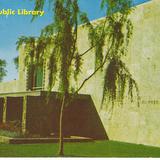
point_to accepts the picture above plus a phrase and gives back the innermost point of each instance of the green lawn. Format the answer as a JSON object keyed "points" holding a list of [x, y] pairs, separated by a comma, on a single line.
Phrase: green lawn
{"points": [[91, 149]]}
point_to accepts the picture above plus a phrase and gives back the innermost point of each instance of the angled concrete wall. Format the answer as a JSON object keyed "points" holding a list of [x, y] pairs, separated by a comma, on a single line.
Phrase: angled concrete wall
{"points": [[80, 117]]}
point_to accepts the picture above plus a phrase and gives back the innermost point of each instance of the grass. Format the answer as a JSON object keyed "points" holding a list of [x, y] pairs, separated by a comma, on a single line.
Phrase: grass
{"points": [[90, 149]]}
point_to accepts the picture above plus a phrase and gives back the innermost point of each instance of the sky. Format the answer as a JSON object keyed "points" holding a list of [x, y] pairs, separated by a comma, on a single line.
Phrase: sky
{"points": [[12, 27]]}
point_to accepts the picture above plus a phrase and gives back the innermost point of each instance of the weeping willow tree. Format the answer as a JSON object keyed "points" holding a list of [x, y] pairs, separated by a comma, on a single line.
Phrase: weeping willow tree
{"points": [[115, 32], [2, 69], [57, 44]]}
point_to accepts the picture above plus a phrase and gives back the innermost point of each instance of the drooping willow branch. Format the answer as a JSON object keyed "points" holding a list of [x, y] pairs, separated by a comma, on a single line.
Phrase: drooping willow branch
{"points": [[89, 77], [94, 45]]}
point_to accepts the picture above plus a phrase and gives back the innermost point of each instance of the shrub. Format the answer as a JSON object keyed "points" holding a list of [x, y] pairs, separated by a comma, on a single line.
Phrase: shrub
{"points": [[14, 126], [10, 134]]}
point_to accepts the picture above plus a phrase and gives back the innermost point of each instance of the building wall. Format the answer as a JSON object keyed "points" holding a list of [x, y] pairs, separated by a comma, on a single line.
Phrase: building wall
{"points": [[20, 84], [11, 86], [141, 125], [129, 122]]}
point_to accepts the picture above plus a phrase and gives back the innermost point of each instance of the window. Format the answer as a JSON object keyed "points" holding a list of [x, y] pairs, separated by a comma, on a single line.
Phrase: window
{"points": [[35, 78]]}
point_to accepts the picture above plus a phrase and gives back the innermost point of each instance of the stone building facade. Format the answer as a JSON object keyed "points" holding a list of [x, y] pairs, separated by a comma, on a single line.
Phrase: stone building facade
{"points": [[127, 123]]}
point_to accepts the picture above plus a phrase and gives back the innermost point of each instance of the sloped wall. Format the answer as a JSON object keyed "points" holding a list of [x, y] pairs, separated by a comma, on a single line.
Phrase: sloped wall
{"points": [[80, 117]]}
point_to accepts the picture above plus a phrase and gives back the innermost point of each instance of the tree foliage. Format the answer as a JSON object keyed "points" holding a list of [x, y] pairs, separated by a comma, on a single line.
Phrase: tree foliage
{"points": [[58, 44], [2, 69], [16, 62], [115, 32]]}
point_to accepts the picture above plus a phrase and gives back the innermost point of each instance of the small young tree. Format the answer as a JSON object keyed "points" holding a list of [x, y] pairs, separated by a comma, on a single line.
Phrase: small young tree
{"points": [[58, 44]]}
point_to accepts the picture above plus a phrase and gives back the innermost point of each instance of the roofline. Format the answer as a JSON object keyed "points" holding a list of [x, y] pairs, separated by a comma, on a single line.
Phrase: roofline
{"points": [[135, 6]]}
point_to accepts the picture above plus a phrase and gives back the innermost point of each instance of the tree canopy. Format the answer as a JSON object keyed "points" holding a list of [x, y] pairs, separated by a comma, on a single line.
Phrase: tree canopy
{"points": [[16, 62], [58, 43], [2, 69]]}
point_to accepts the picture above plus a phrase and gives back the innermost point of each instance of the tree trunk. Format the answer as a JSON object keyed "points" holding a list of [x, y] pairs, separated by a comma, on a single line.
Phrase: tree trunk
{"points": [[61, 145]]}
